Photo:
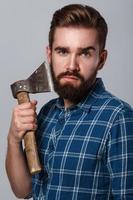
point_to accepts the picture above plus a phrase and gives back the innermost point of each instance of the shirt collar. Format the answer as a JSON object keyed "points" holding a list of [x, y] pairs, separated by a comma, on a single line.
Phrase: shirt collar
{"points": [[89, 101], [93, 96]]}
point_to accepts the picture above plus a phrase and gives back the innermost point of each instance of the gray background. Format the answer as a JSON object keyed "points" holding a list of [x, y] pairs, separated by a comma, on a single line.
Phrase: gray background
{"points": [[24, 26]]}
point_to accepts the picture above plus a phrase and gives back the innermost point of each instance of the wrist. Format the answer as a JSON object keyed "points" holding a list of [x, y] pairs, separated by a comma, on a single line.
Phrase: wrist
{"points": [[13, 141]]}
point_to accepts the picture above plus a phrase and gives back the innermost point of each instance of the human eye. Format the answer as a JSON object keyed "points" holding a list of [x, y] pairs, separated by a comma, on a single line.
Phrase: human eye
{"points": [[62, 51], [85, 53]]}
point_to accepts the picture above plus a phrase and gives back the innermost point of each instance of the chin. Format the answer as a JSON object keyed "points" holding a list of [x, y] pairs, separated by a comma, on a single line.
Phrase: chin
{"points": [[69, 83]]}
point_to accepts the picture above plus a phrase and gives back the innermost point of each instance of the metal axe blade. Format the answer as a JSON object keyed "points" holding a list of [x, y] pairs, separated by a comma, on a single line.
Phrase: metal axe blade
{"points": [[39, 81]]}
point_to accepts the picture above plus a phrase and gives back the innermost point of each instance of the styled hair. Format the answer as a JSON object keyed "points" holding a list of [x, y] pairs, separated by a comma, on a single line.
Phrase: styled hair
{"points": [[77, 15]]}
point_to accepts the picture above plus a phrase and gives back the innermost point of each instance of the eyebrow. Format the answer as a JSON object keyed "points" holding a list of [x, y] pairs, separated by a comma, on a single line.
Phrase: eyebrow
{"points": [[88, 48], [60, 48]]}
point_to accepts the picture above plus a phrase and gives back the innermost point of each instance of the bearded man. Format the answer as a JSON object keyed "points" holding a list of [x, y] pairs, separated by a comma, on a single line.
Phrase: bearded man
{"points": [[85, 136]]}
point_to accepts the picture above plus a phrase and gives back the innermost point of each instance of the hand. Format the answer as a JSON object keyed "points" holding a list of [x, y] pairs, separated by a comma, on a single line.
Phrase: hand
{"points": [[23, 119]]}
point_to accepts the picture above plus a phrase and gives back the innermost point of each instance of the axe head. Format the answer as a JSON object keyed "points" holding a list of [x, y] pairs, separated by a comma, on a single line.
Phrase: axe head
{"points": [[39, 81]]}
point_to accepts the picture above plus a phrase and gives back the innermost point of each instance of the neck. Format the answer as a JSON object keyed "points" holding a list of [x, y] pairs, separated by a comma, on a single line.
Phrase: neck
{"points": [[67, 103]]}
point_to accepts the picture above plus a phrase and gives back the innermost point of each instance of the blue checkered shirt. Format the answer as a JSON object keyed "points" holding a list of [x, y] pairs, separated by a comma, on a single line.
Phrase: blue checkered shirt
{"points": [[87, 150]]}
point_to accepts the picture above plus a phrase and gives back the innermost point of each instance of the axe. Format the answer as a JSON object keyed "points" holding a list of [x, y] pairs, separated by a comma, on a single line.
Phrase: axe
{"points": [[39, 81]]}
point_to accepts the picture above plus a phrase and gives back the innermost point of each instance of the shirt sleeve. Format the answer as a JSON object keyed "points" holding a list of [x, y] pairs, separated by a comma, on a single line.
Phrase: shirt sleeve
{"points": [[120, 156]]}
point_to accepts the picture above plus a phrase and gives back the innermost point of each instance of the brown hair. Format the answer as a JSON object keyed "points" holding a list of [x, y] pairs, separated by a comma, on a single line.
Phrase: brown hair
{"points": [[82, 16]]}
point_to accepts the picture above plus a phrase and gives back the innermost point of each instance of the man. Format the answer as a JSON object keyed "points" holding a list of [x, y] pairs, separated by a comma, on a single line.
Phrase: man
{"points": [[84, 137]]}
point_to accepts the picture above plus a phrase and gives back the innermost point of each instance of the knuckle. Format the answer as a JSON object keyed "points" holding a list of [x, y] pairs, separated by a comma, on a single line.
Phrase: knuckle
{"points": [[32, 112], [32, 119], [18, 127], [31, 126], [15, 111]]}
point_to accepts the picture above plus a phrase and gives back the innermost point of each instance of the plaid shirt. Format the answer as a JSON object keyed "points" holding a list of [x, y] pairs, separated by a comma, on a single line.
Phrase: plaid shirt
{"points": [[87, 150]]}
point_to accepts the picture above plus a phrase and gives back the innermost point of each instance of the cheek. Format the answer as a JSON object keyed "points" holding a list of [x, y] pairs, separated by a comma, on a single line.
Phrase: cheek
{"points": [[89, 69], [57, 66]]}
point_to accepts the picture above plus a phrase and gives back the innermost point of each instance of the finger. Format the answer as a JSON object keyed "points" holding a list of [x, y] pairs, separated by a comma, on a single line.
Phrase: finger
{"points": [[23, 127], [34, 102], [29, 127], [27, 120], [27, 105], [26, 113]]}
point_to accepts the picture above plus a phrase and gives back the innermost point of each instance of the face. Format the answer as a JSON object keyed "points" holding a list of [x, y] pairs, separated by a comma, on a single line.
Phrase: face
{"points": [[75, 58]]}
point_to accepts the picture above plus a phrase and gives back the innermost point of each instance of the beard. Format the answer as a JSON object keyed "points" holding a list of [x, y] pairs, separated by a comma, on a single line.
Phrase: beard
{"points": [[72, 93]]}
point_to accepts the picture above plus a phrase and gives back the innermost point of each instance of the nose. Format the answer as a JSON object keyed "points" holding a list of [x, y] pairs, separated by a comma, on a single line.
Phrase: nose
{"points": [[73, 63]]}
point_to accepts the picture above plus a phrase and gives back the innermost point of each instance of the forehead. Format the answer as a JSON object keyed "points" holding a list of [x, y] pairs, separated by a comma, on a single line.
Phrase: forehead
{"points": [[75, 37]]}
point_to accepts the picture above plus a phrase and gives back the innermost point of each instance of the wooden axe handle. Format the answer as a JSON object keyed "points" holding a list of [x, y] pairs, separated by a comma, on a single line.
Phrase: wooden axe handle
{"points": [[30, 141]]}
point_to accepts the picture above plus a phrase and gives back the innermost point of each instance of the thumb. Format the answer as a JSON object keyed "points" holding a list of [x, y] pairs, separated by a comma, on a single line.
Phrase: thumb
{"points": [[34, 102]]}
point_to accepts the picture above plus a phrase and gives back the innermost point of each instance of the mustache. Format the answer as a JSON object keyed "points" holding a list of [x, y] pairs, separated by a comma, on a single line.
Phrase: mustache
{"points": [[69, 73]]}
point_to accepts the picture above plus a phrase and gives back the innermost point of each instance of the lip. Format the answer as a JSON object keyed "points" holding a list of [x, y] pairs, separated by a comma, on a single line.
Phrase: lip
{"points": [[70, 77]]}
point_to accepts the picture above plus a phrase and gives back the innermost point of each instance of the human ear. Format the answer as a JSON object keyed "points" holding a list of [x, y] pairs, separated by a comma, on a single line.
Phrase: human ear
{"points": [[48, 53], [102, 59]]}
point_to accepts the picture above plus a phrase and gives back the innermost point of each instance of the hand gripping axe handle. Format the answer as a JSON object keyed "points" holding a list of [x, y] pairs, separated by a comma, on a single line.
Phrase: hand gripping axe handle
{"points": [[39, 81]]}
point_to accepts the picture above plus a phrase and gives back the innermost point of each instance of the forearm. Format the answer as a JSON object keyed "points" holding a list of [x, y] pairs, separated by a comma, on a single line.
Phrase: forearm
{"points": [[17, 171], [23, 119]]}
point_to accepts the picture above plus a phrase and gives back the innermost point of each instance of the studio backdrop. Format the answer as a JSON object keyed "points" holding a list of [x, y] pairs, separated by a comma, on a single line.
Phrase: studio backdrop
{"points": [[24, 27]]}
